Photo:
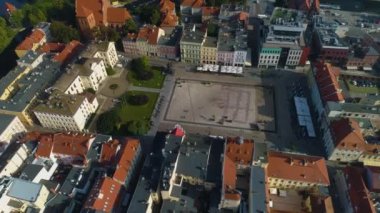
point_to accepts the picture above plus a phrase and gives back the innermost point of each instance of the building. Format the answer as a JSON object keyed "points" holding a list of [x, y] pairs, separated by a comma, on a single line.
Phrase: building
{"points": [[38, 170], [31, 43], [66, 112], [168, 44], [353, 193], [327, 43], [66, 148], [167, 7], [19, 195], [372, 175], [209, 13], [21, 86], [104, 196], [228, 11], [69, 52], [293, 171], [11, 129], [95, 13], [103, 50], [128, 161], [147, 40], [192, 7], [285, 43], [191, 44], [240, 151], [309, 6], [209, 51], [94, 151], [79, 180], [86, 73], [231, 197]]}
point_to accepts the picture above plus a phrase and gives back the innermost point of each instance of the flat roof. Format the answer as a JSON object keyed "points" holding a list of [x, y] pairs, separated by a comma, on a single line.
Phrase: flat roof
{"points": [[257, 190], [24, 190], [5, 121], [193, 35]]}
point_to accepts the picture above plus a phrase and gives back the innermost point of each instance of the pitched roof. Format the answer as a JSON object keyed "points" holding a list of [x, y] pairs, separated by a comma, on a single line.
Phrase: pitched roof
{"points": [[169, 20], [229, 180], [210, 11], [240, 153], [82, 11], [178, 131], [52, 47], [35, 37], [10, 7], [321, 204], [45, 143], [326, 77], [303, 168], [347, 134], [357, 191], [192, 3], [108, 151], [103, 195], [149, 34], [117, 15], [166, 6], [70, 50], [125, 162]]}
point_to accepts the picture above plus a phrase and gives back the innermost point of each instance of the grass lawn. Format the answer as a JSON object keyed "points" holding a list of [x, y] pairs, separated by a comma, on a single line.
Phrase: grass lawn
{"points": [[366, 90], [155, 82]]}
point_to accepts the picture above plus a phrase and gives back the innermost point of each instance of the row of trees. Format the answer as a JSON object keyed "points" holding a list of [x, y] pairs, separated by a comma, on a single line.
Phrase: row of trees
{"points": [[6, 34], [141, 68]]}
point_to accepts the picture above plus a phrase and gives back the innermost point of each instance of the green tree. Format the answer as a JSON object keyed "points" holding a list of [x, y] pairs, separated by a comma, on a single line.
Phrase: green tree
{"points": [[108, 122], [155, 17], [139, 127], [17, 19], [35, 16], [131, 26], [105, 34], [63, 33]]}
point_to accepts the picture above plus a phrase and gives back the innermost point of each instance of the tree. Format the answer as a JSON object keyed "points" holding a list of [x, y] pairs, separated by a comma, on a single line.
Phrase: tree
{"points": [[141, 68], [138, 99], [138, 127], [108, 122], [63, 33], [131, 26], [105, 34], [35, 16], [17, 19], [155, 17]]}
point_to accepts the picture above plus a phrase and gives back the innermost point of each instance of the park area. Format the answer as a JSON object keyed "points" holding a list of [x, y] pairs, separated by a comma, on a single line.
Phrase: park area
{"points": [[362, 85], [222, 104], [130, 116], [154, 82]]}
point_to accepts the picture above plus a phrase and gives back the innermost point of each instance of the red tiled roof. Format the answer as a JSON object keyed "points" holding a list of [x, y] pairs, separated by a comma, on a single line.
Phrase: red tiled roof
{"points": [[210, 11], [240, 153], [178, 131], [103, 195], [229, 180], [166, 6], [10, 7], [69, 51], [127, 156], [52, 47], [72, 145], [303, 168], [326, 77], [169, 20], [35, 37], [118, 15], [44, 145], [108, 151], [357, 191], [192, 3], [85, 7], [347, 134], [149, 34]]}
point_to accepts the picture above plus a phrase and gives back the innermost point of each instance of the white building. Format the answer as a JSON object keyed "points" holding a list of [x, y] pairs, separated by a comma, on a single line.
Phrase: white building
{"points": [[86, 73], [103, 50], [11, 129], [66, 112], [15, 160], [39, 169]]}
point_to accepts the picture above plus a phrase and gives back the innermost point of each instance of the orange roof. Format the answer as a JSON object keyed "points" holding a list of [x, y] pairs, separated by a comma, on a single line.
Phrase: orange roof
{"points": [[229, 180], [166, 6], [232, 196], [127, 156], [178, 131], [74, 145], [303, 168], [210, 11], [52, 47], [35, 37], [347, 134], [357, 191], [117, 15], [83, 12], [103, 195], [240, 153], [44, 145], [192, 3], [70, 49], [326, 77], [169, 20], [84, 8], [149, 34], [10, 7], [108, 151]]}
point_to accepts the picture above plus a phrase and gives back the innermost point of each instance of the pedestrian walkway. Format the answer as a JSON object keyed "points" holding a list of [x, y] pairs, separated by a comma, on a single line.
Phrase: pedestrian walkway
{"points": [[143, 89]]}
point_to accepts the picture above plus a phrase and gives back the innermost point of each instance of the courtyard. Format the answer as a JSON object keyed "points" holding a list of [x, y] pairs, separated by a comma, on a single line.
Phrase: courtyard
{"points": [[222, 104]]}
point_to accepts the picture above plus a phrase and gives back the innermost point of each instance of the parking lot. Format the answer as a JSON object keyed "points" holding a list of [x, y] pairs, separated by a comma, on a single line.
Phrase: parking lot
{"points": [[221, 104]]}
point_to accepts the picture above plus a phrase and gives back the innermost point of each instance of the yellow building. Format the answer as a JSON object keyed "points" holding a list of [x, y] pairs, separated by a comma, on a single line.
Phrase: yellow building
{"points": [[32, 42], [209, 51]]}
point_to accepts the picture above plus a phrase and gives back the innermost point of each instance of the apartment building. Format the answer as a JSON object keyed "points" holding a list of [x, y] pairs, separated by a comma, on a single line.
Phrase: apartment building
{"points": [[209, 51], [21, 86], [84, 74], [66, 112], [191, 44], [129, 159], [147, 40], [11, 129], [293, 171], [192, 7], [103, 50], [285, 43], [32, 42], [209, 13]]}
